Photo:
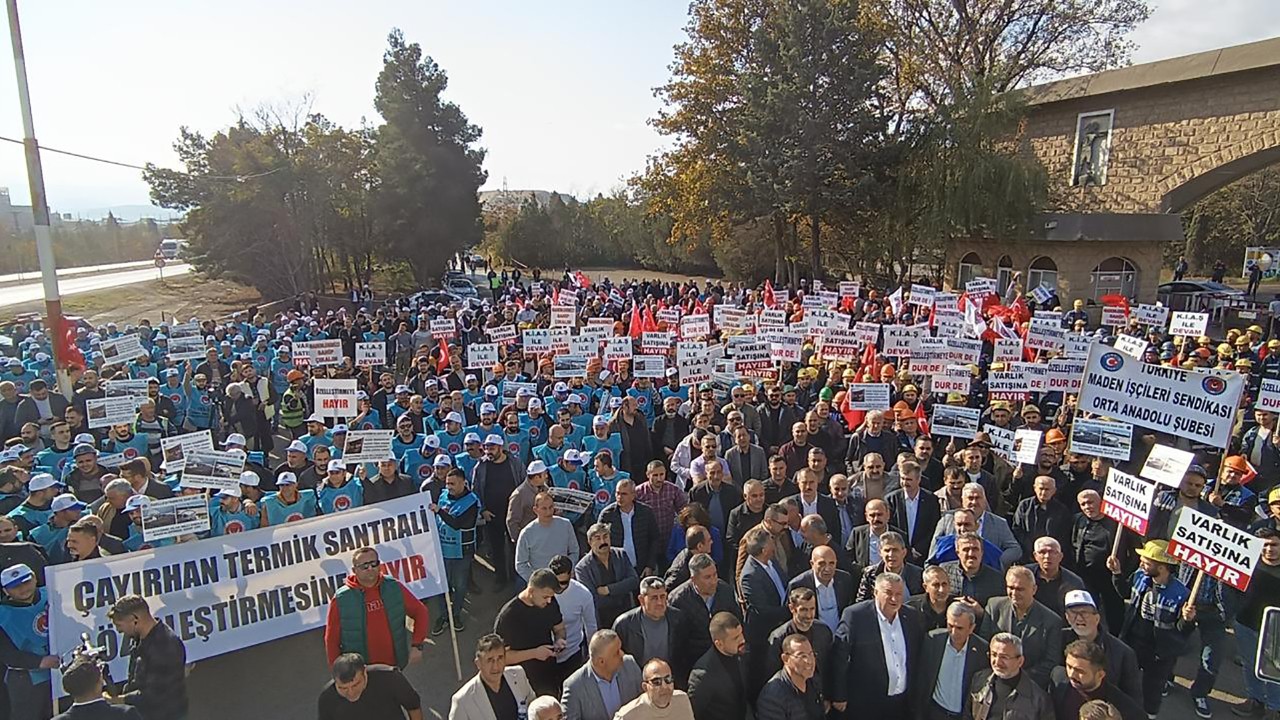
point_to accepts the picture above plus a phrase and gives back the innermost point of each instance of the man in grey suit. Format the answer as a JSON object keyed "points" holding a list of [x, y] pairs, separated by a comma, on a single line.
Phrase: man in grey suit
{"points": [[746, 461], [610, 680], [991, 527], [763, 591], [1018, 613], [949, 659]]}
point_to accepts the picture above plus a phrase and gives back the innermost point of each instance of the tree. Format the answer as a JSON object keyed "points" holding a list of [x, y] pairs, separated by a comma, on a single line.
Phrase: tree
{"points": [[428, 167], [1243, 214]]}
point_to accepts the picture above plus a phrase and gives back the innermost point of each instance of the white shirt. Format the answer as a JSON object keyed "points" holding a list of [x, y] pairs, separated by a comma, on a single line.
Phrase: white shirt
{"points": [[810, 508], [895, 652], [948, 688], [873, 547], [578, 609], [828, 605], [628, 540], [913, 508]]}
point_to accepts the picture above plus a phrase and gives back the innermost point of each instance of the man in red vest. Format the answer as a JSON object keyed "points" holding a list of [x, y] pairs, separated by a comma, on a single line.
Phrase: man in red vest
{"points": [[367, 616]]}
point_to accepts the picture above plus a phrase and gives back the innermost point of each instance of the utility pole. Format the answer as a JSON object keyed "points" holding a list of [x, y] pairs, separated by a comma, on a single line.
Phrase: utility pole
{"points": [[39, 207]]}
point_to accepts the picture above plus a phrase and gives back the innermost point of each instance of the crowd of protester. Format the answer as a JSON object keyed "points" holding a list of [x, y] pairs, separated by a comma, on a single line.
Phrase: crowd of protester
{"points": [[751, 543]]}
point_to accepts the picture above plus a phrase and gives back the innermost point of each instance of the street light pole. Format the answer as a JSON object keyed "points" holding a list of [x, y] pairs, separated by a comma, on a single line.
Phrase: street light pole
{"points": [[39, 205]]}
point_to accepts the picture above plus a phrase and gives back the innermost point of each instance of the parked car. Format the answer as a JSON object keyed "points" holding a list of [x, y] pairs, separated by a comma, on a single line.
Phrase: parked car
{"points": [[461, 287], [1200, 296]]}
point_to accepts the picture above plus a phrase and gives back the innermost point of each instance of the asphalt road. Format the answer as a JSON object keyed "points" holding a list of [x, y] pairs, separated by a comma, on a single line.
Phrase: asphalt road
{"points": [[32, 291], [33, 275]]}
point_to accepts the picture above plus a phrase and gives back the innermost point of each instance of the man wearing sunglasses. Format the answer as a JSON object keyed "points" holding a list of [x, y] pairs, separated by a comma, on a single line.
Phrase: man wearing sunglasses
{"points": [[367, 616], [661, 700]]}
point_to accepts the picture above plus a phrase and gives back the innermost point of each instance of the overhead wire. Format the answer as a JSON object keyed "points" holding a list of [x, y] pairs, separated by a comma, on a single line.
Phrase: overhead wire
{"points": [[82, 156]]}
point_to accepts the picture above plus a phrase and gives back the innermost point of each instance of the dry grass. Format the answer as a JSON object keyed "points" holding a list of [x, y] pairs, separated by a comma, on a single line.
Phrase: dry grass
{"points": [[183, 297]]}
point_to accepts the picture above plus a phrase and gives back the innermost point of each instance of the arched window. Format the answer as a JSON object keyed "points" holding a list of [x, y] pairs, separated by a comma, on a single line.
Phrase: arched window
{"points": [[1042, 271], [970, 268], [1113, 276], [1004, 274]]}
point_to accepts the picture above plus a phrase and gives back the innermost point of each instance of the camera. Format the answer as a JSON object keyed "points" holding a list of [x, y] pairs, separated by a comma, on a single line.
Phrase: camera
{"points": [[97, 654]]}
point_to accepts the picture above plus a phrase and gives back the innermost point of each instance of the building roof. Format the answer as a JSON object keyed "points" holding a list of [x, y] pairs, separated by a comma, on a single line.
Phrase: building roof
{"points": [[1211, 63], [1108, 227]]}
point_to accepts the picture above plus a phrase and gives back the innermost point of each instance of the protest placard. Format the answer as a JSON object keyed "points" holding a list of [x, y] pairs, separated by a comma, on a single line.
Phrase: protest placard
{"points": [[1217, 549], [443, 328], [560, 338], [1065, 374], [867, 333], [187, 348], [868, 396], [1104, 438], [1127, 500], [977, 287], [564, 316], [1268, 396], [213, 469], [948, 323], [587, 346], [482, 355], [185, 330], [1196, 405], [650, 366], [928, 356], [1026, 445], [1114, 317], [1007, 350], [570, 366], [1001, 440], [754, 359], [537, 341], [954, 379], [174, 449], [117, 351], [571, 501], [108, 411], [1155, 315], [899, 338], [960, 351], [335, 398], [655, 343], [1188, 324], [1131, 346], [367, 446], [1036, 374], [502, 334], [773, 319], [318, 353], [731, 319], [371, 354], [694, 364], [1076, 345], [955, 421], [786, 346], [1167, 465], [1008, 385], [204, 580], [1045, 334], [175, 516], [511, 389], [670, 316], [695, 326], [922, 295], [849, 288], [617, 348]]}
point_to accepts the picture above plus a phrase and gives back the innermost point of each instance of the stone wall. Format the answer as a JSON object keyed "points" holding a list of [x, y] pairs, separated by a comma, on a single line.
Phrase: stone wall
{"points": [[1163, 136], [1075, 261]]}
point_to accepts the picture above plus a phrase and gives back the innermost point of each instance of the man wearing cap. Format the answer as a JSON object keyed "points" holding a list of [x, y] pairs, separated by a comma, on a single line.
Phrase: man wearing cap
{"points": [[458, 510], [52, 535], [24, 625], [288, 503], [1084, 622], [494, 479], [37, 508], [317, 433], [1158, 618], [230, 513], [338, 492], [451, 435], [85, 478]]}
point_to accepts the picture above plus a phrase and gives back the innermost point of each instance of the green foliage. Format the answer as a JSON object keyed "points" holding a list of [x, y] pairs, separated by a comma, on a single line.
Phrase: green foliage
{"points": [[290, 203], [84, 242], [1243, 214]]}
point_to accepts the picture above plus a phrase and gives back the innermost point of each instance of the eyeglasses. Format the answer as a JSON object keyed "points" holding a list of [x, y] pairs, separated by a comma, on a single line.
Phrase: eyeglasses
{"points": [[660, 680], [367, 565]]}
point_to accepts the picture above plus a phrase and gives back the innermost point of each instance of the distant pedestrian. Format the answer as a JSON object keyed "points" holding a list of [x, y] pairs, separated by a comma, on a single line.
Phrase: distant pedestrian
{"points": [[1255, 279], [1180, 268]]}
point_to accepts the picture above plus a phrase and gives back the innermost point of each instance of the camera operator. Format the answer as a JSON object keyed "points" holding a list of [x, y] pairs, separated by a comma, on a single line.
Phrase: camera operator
{"points": [[157, 684], [84, 683]]}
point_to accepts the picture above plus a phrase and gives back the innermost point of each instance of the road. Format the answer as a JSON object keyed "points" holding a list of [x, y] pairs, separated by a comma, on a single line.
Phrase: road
{"points": [[32, 291], [34, 274]]}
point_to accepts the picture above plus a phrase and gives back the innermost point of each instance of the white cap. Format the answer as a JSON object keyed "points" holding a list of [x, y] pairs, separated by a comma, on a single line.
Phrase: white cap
{"points": [[573, 456], [42, 481], [1077, 598], [536, 467], [66, 501], [235, 439], [337, 466], [488, 409], [599, 421], [250, 478], [431, 441], [15, 575], [454, 416], [233, 491], [525, 392], [606, 376], [493, 439], [136, 502], [443, 461], [535, 402], [286, 478], [297, 446], [471, 438], [315, 418], [560, 387]]}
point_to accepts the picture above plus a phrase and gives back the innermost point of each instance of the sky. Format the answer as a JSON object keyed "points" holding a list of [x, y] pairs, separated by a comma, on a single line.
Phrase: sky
{"points": [[562, 90]]}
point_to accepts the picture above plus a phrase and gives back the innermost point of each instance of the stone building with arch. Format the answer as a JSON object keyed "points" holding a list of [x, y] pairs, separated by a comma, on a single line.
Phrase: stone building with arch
{"points": [[1127, 150]]}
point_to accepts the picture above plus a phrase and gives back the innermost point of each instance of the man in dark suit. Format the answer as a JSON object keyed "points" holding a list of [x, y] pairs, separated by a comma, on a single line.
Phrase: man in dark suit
{"points": [[893, 558], [718, 687], [649, 546], [699, 599], [763, 591], [741, 519], [1086, 679], [949, 659], [915, 512], [864, 543], [803, 604], [697, 541], [746, 461], [851, 510], [833, 587], [717, 494], [862, 677], [83, 682], [669, 428], [812, 502], [1037, 626], [655, 609]]}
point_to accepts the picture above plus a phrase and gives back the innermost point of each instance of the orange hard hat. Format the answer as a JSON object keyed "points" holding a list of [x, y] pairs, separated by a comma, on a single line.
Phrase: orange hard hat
{"points": [[1054, 435], [1237, 463]]}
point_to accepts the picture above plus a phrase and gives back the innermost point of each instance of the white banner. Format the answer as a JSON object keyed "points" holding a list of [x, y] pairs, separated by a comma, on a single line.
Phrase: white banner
{"points": [[564, 316], [1218, 549], [954, 421], [617, 348], [1114, 316], [443, 328], [1189, 324], [482, 355], [187, 348], [955, 379], [1156, 315], [899, 338], [216, 470], [1066, 374], [868, 396], [318, 352], [174, 517], [1103, 438], [1268, 396], [336, 398], [1199, 406], [695, 326], [118, 351], [246, 588], [1001, 440], [1127, 500], [1026, 445], [371, 354], [502, 334], [108, 411], [537, 341], [1166, 465], [1045, 334], [1007, 350], [650, 366], [176, 448], [1131, 346], [367, 446], [570, 366]]}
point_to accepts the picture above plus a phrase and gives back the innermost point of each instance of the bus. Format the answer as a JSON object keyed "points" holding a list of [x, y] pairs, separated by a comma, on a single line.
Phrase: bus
{"points": [[172, 247]]}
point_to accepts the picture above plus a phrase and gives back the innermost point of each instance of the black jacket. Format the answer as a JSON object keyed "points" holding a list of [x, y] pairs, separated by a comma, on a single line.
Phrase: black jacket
{"points": [[631, 632], [859, 545], [928, 513], [644, 534], [1031, 521], [782, 700], [931, 651], [861, 677], [697, 617], [100, 710], [681, 426], [846, 586], [1067, 700], [157, 683], [718, 687], [821, 639]]}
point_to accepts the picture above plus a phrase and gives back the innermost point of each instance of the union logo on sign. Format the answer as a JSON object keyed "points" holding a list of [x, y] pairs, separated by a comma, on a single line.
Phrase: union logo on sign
{"points": [[1111, 361], [1214, 385]]}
